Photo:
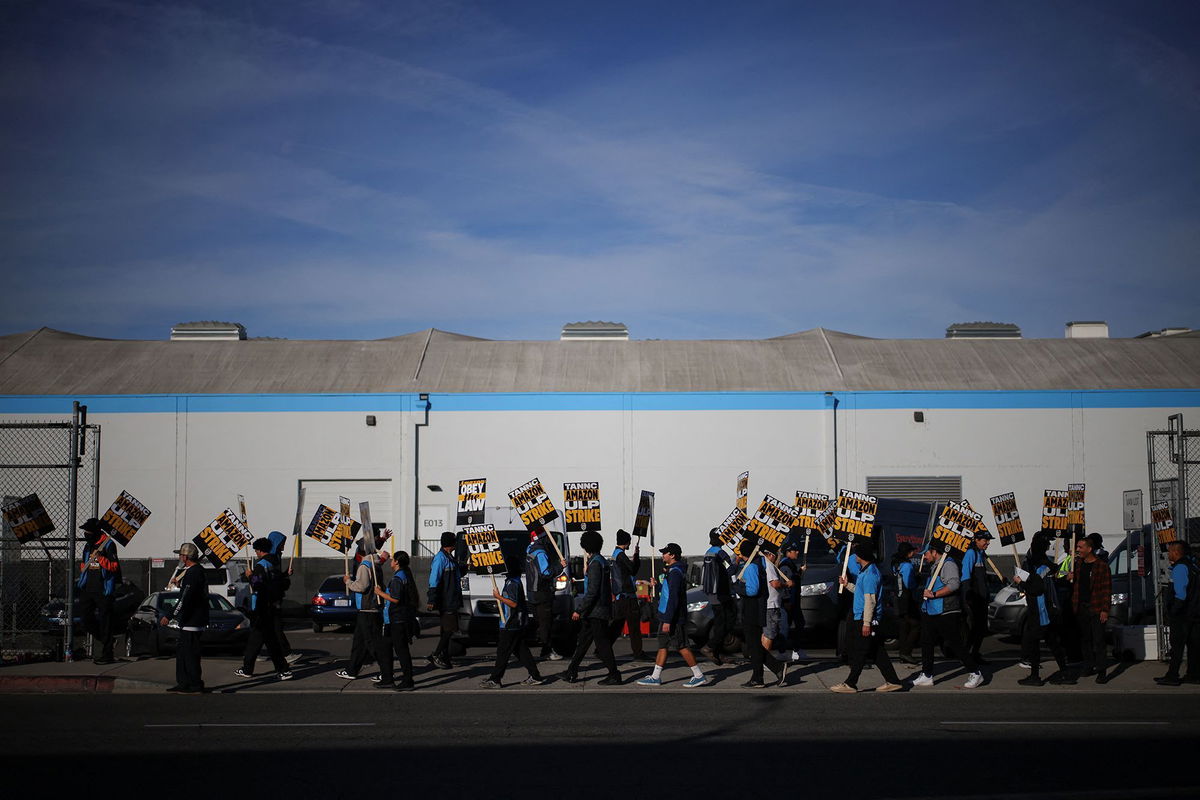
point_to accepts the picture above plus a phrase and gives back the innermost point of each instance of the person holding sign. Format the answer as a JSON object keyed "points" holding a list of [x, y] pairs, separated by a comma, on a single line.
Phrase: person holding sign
{"points": [[595, 611], [865, 641], [1042, 619], [514, 619], [753, 590], [715, 582], [975, 592], [540, 577], [267, 593], [672, 619], [99, 575], [627, 611], [399, 624], [1091, 599], [1183, 615], [191, 614], [445, 597], [368, 636], [908, 603], [940, 616]]}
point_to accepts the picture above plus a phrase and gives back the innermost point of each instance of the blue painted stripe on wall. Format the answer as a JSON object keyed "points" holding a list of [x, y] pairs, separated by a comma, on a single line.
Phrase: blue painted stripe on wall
{"points": [[600, 401]]}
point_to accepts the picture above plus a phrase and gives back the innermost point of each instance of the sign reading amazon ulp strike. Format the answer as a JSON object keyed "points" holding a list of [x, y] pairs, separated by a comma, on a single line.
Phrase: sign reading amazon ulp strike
{"points": [[771, 524], [581, 507], [533, 504]]}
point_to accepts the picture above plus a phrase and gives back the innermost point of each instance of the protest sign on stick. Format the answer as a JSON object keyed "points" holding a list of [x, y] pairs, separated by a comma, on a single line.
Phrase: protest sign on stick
{"points": [[1163, 521], [1075, 519], [809, 505], [1054, 515], [472, 494], [241, 503], [955, 529], [854, 516], [769, 527], [535, 508], [742, 495], [730, 529], [1008, 522], [26, 517], [581, 507], [486, 557], [223, 538], [124, 518]]}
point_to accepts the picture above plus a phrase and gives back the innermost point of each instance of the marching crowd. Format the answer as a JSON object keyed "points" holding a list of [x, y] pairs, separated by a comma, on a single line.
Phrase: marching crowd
{"points": [[936, 598]]}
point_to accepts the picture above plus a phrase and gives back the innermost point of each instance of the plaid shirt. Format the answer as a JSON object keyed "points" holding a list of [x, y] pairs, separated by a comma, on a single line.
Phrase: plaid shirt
{"points": [[1101, 599]]}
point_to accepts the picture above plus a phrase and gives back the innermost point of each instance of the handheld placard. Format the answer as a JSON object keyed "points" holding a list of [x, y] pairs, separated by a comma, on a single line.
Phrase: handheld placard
{"points": [[769, 526], [27, 518], [369, 551], [223, 538], [955, 529], [1008, 522], [581, 507], [809, 506], [854, 516], [742, 495], [472, 494], [124, 518], [485, 556]]}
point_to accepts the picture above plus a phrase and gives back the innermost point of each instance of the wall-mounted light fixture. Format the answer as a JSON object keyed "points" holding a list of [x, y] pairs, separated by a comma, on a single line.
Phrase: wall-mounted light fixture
{"points": [[918, 416], [370, 420]]}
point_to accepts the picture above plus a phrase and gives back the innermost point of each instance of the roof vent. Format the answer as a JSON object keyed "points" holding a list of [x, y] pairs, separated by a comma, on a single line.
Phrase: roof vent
{"points": [[208, 331], [594, 332], [983, 330], [1087, 330]]}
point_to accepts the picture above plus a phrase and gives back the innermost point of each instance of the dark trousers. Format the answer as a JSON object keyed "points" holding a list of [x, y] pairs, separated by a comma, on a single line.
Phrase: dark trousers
{"points": [[187, 661], [284, 644], [542, 609], [1184, 633], [512, 641], [265, 624], [628, 612], [368, 638], [1030, 650], [795, 623], [724, 616], [594, 630], [449, 627], [861, 648], [395, 640], [759, 657], [96, 611], [909, 635], [978, 623], [1091, 641], [949, 626]]}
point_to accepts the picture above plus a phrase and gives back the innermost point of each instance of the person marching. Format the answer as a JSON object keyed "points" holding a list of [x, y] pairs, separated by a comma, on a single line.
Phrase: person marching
{"points": [[753, 591], [99, 575], [265, 613], [514, 618], [715, 583], [940, 612], [975, 593], [539, 579], [792, 570], [1042, 617], [1183, 615], [627, 612], [367, 634], [1091, 598], [595, 611], [445, 597], [865, 640], [400, 624], [908, 602], [191, 614], [672, 618]]}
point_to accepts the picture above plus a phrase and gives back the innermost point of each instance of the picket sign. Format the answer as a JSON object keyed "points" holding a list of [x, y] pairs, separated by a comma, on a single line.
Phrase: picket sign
{"points": [[242, 513]]}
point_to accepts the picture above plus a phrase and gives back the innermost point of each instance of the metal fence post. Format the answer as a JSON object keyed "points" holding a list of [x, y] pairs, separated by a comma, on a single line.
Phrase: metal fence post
{"points": [[72, 523]]}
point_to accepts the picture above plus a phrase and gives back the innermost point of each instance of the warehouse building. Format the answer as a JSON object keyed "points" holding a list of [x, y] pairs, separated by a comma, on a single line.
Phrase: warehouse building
{"points": [[192, 421]]}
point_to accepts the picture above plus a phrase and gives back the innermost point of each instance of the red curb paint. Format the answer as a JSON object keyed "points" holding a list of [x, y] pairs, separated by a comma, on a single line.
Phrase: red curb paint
{"points": [[56, 683]]}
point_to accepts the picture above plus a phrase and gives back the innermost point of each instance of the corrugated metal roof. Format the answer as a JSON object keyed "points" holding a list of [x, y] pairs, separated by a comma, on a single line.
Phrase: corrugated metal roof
{"points": [[47, 361]]}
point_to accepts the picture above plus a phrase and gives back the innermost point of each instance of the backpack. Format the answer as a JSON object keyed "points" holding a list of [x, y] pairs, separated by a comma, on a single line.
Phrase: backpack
{"points": [[1191, 603]]}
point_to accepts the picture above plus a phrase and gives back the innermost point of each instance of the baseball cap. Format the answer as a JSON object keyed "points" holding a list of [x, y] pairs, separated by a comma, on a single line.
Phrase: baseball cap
{"points": [[984, 534], [188, 549], [673, 549]]}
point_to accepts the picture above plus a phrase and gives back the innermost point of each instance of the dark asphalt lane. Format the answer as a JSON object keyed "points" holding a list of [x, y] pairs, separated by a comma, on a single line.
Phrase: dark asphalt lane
{"points": [[516, 744]]}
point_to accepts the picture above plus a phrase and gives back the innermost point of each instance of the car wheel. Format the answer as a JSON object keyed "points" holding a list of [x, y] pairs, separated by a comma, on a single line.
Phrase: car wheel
{"points": [[317, 627]]}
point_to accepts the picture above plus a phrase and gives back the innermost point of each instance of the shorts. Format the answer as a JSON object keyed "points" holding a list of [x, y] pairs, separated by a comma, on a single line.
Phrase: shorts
{"points": [[772, 623], [675, 640]]}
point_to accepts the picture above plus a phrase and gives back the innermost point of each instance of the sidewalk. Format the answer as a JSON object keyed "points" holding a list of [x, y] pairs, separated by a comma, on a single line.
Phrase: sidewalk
{"points": [[314, 673]]}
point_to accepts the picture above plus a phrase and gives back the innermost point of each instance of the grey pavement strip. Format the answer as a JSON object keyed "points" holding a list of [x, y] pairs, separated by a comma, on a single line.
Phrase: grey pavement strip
{"points": [[1024, 723], [262, 725]]}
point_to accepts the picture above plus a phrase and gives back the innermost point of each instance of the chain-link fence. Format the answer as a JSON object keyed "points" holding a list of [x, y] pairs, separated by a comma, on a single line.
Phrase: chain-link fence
{"points": [[37, 457], [1173, 458]]}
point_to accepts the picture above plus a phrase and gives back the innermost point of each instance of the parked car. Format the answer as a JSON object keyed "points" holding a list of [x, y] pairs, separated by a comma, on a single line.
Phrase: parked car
{"points": [[227, 629], [126, 598], [331, 604]]}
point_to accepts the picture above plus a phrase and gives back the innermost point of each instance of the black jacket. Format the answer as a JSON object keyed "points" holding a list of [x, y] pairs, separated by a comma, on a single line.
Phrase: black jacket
{"points": [[624, 572], [192, 609], [597, 590], [715, 577]]}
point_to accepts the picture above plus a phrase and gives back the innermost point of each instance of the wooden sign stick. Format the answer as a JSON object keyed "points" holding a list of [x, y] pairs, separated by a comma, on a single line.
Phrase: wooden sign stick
{"points": [[501, 606], [937, 571], [1016, 555], [296, 533], [1074, 559], [845, 565], [807, 539], [996, 569], [243, 515], [750, 560]]}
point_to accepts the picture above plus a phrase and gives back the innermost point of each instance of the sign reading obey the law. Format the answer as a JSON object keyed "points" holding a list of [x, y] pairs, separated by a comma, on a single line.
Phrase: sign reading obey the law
{"points": [[223, 538], [1054, 509], [742, 496], [1008, 519], [124, 518], [26, 517], [855, 515], [1163, 521], [730, 530], [809, 505], [581, 506], [533, 504], [771, 524], [327, 529], [472, 494], [483, 549], [645, 513], [956, 527]]}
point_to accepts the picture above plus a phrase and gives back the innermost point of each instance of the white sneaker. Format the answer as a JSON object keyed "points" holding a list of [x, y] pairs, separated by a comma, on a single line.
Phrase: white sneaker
{"points": [[292, 658], [973, 680], [554, 656], [346, 676], [799, 655], [1024, 665], [923, 680]]}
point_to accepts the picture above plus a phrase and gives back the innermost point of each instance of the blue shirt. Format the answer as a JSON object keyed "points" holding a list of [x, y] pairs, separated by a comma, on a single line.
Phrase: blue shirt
{"points": [[753, 587], [851, 565], [1179, 580], [1048, 584], [908, 576], [868, 582], [969, 562]]}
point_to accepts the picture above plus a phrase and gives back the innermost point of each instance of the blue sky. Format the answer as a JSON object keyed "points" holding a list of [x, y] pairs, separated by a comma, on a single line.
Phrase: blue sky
{"points": [[694, 169]]}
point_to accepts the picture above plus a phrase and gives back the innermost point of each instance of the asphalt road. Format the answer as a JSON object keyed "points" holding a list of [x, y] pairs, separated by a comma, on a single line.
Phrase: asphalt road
{"points": [[515, 744]]}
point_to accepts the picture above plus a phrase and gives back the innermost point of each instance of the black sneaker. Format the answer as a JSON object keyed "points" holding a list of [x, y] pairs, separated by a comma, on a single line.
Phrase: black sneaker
{"points": [[382, 685], [1168, 680], [1061, 679], [753, 684], [611, 680], [1031, 680], [1102, 677], [405, 687], [532, 681], [488, 683], [570, 677]]}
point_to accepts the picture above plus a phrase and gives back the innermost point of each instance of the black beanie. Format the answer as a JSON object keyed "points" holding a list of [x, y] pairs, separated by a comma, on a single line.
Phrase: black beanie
{"points": [[864, 551], [623, 536], [591, 541], [447, 539]]}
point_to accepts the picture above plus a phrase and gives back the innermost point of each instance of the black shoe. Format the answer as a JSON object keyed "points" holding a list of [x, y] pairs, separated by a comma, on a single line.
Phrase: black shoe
{"points": [[1061, 679], [405, 687], [105, 660], [753, 684], [1168, 680], [177, 689], [611, 680], [1031, 680], [382, 685], [570, 677], [1102, 677]]}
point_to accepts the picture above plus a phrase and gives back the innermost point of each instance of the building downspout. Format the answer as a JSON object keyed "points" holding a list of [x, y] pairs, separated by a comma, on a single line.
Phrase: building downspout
{"points": [[416, 535]]}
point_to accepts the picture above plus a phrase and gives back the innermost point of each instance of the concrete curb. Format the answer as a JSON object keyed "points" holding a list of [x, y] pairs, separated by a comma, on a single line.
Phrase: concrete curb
{"points": [[75, 684]]}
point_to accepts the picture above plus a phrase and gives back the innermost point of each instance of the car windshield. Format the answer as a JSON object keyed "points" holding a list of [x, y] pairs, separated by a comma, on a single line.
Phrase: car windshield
{"points": [[168, 601], [216, 577]]}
